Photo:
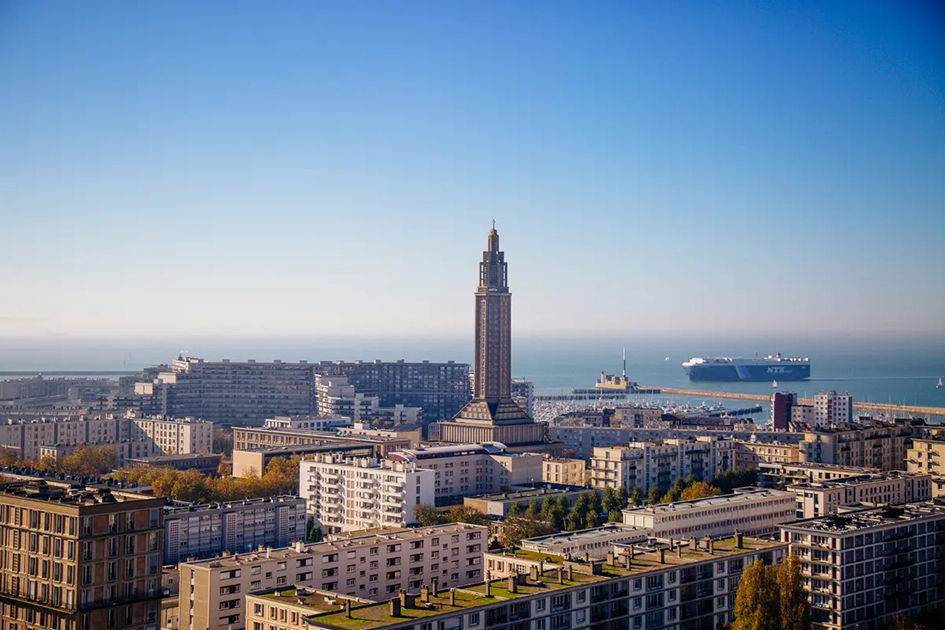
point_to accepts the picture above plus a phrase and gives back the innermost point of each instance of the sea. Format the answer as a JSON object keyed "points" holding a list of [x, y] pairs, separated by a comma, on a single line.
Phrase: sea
{"points": [[897, 370]]}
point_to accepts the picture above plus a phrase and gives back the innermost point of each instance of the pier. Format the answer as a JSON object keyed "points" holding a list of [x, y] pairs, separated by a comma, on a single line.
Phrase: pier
{"points": [[912, 410]]}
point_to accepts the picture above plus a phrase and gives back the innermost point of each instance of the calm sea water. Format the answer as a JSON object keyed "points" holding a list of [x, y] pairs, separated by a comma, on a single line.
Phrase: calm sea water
{"points": [[903, 370]]}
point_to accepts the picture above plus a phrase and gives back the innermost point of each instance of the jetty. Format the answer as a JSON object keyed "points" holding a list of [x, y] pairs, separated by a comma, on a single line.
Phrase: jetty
{"points": [[912, 410]]}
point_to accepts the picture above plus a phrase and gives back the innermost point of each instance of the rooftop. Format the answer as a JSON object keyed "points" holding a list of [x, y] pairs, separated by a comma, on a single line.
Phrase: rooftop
{"points": [[434, 452], [869, 518], [175, 458], [545, 490], [596, 533], [377, 615], [81, 496], [748, 496], [847, 482], [179, 507]]}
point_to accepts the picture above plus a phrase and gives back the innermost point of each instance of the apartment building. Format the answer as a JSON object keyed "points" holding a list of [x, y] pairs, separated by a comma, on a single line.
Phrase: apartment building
{"points": [[248, 438], [349, 494], [927, 455], [413, 433], [440, 389], [204, 530], [872, 445], [500, 504], [523, 393], [252, 462], [570, 472], [749, 454], [862, 568], [125, 450], [173, 436], [637, 417], [369, 566], [893, 488], [833, 408], [648, 464], [751, 512], [79, 559], [583, 439], [650, 587], [229, 392], [132, 436], [472, 469], [334, 395]]}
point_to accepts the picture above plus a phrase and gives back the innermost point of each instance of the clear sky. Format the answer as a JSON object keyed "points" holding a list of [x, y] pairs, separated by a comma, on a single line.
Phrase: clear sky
{"points": [[317, 168]]}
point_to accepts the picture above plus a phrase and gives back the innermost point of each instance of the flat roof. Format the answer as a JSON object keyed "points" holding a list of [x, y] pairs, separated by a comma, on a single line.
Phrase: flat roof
{"points": [[182, 507], [850, 522], [168, 458], [546, 490], [586, 535], [861, 479], [377, 615], [749, 496]]}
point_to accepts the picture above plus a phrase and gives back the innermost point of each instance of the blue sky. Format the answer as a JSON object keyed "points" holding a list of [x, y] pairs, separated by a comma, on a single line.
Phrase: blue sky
{"points": [[333, 168]]}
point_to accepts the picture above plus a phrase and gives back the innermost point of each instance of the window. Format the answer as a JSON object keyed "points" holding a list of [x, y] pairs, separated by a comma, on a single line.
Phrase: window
{"points": [[540, 605], [474, 619]]}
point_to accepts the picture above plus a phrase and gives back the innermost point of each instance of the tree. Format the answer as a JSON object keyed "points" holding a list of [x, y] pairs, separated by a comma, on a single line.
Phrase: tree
{"points": [[653, 496], [699, 490], [427, 516], [515, 529], [464, 514], [592, 520], [593, 501], [727, 480], [636, 497], [548, 505], [609, 501], [564, 504], [757, 604], [8, 457], [615, 516], [557, 516], [621, 496], [795, 605], [516, 509], [534, 508], [575, 520]]}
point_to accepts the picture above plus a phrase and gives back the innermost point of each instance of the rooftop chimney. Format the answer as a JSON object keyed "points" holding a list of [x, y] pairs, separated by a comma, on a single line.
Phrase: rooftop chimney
{"points": [[395, 607]]}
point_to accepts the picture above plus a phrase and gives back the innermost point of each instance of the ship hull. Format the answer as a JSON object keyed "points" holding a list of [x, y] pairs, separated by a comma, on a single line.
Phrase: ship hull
{"points": [[730, 372]]}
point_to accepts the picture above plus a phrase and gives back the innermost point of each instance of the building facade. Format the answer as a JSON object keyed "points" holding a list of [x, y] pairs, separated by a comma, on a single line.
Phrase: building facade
{"points": [[367, 566], [204, 530], [863, 568], [648, 464], [650, 587], [833, 408], [751, 512], [750, 454], [927, 455], [79, 559], [362, 493], [827, 497], [871, 445], [472, 469], [570, 472]]}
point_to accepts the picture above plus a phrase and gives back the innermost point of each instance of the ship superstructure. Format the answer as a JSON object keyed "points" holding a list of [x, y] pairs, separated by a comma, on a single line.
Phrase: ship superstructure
{"points": [[770, 368]]}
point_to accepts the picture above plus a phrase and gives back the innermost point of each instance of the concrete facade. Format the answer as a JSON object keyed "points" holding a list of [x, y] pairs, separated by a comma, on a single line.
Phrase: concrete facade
{"points": [[362, 493], [561, 470], [827, 497]]}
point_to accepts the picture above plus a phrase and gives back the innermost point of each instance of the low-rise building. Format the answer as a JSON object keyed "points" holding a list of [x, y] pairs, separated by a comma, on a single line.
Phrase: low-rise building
{"points": [[821, 498], [368, 566], [205, 463], [570, 472], [863, 568], [328, 422], [774, 475], [593, 543], [754, 512], [413, 433], [204, 530], [472, 469], [250, 438], [253, 461], [348, 494], [650, 587]]}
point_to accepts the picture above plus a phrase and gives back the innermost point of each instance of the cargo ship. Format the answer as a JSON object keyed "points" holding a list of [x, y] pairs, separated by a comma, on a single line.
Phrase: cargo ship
{"points": [[725, 369]]}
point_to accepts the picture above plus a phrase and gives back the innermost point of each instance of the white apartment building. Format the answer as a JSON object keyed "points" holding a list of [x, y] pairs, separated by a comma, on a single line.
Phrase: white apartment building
{"points": [[862, 568], [174, 436], [648, 464], [752, 512], [823, 498], [336, 396], [367, 566], [311, 423], [832, 408], [362, 493], [473, 469], [200, 531]]}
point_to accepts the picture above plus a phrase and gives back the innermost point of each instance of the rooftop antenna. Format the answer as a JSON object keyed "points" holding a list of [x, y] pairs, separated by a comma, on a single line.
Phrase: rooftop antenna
{"points": [[625, 364]]}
